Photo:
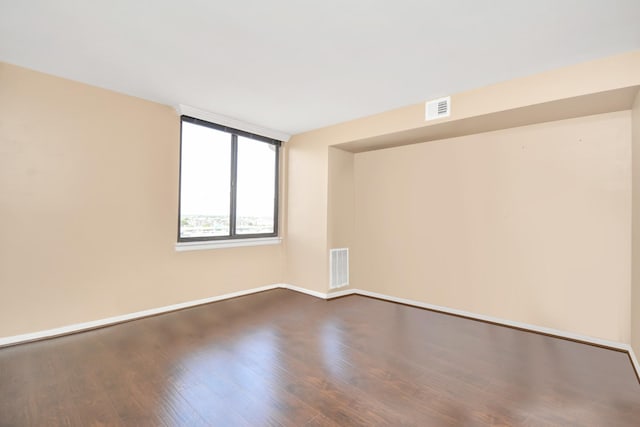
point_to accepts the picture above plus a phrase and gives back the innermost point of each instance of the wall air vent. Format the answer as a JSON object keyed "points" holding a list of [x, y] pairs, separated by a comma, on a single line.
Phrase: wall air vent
{"points": [[339, 267], [438, 108]]}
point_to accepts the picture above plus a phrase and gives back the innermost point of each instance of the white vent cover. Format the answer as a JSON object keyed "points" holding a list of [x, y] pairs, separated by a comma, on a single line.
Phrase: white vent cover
{"points": [[438, 108], [339, 267]]}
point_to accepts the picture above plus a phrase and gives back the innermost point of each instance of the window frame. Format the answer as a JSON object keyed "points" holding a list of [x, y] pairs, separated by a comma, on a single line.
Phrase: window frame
{"points": [[233, 190]]}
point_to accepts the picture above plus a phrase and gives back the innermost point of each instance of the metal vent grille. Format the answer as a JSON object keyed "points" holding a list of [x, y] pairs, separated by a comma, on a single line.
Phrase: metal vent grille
{"points": [[339, 267], [438, 108]]}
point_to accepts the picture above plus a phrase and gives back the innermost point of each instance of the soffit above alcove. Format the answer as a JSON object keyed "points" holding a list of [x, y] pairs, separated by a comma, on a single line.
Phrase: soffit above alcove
{"points": [[619, 99]]}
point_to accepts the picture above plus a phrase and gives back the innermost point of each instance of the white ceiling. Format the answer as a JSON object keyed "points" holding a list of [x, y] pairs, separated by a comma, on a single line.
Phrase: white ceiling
{"points": [[296, 65]]}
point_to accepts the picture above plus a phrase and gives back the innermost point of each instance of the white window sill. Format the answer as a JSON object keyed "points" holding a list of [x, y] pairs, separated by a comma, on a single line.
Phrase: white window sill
{"points": [[233, 243]]}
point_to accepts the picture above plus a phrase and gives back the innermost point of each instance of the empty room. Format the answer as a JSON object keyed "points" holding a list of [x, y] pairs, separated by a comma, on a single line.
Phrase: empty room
{"points": [[289, 213]]}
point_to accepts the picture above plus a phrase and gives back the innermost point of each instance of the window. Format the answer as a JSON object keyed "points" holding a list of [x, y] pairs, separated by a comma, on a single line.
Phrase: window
{"points": [[228, 183]]}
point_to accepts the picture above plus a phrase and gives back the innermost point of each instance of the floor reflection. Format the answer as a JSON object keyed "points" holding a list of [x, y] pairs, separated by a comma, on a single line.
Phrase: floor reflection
{"points": [[239, 371]]}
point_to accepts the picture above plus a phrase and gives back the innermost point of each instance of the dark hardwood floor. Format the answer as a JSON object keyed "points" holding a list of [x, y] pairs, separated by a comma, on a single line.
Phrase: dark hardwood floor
{"points": [[283, 358]]}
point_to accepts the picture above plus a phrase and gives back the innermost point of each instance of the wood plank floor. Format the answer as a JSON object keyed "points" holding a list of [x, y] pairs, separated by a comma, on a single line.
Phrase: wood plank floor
{"points": [[283, 358]]}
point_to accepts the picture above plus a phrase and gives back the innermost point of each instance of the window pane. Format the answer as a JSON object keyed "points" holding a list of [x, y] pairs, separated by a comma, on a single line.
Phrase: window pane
{"points": [[205, 177], [255, 187]]}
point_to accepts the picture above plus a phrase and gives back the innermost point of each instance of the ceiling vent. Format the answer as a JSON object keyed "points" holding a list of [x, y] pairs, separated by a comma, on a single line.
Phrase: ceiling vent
{"points": [[438, 108]]}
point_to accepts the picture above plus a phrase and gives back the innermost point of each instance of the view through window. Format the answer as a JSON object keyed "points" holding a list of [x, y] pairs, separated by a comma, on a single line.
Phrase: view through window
{"points": [[228, 183]]}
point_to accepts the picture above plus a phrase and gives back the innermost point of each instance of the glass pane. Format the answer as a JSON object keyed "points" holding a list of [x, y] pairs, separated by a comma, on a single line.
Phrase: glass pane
{"points": [[255, 196], [205, 181]]}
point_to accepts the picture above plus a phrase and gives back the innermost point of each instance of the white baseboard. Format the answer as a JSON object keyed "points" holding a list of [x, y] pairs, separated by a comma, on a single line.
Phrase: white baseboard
{"points": [[520, 325], [634, 361], [343, 293], [78, 327], [94, 324], [304, 290], [322, 295]]}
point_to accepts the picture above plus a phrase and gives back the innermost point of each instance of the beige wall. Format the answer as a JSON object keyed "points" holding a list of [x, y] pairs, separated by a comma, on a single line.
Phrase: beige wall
{"points": [[73, 156], [530, 224], [341, 203], [88, 213], [635, 257], [309, 195], [306, 262]]}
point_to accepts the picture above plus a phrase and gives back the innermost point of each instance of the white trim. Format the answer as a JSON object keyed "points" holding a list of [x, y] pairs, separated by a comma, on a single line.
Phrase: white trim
{"points": [[343, 293], [78, 327], [231, 243], [321, 295], [231, 122], [304, 291], [527, 326], [634, 361], [520, 325]]}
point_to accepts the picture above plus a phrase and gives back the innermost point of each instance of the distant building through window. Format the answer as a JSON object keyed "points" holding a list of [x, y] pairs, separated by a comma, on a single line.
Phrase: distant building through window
{"points": [[228, 183]]}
